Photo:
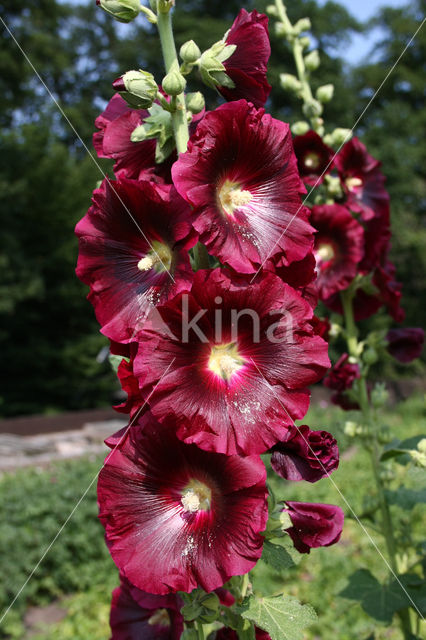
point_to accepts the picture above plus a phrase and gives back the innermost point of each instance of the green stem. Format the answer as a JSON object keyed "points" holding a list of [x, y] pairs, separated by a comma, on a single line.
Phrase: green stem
{"points": [[200, 630], [201, 256], [179, 117], [386, 525], [306, 91]]}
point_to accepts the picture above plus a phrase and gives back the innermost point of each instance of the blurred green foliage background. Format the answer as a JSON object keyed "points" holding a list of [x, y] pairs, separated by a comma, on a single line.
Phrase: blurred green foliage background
{"points": [[49, 337]]}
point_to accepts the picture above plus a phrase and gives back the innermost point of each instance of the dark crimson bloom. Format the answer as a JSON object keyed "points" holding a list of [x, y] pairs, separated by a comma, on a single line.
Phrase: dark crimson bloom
{"points": [[137, 615], [240, 175], [342, 375], [314, 525], [405, 344], [321, 326], [131, 254], [231, 371], [113, 140], [305, 455], [248, 64], [177, 517], [340, 379], [338, 248], [362, 180], [298, 274], [130, 385], [314, 158]]}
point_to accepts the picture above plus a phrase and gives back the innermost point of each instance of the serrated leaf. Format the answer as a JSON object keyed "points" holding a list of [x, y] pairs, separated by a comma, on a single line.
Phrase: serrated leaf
{"points": [[378, 601], [281, 616], [276, 556]]}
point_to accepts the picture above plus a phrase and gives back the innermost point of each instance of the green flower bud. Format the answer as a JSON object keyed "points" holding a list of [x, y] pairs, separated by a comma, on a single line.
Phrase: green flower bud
{"points": [[325, 93], [418, 458], [290, 82], [333, 184], [300, 128], [339, 136], [304, 24], [312, 109], [379, 396], [195, 102], [384, 435], [350, 429], [174, 83], [190, 52], [282, 29], [370, 356], [305, 42], [312, 60], [138, 88], [271, 9], [121, 10], [285, 520], [421, 445]]}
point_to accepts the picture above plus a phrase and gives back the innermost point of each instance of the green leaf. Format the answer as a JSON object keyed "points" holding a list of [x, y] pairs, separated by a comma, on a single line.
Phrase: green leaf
{"points": [[400, 449], [281, 616], [406, 498], [276, 556], [378, 601]]}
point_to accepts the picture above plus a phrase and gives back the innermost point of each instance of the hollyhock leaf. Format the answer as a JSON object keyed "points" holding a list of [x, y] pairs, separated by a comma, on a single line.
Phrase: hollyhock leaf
{"points": [[378, 601], [280, 616], [406, 498], [276, 556], [177, 517], [240, 175], [400, 449]]}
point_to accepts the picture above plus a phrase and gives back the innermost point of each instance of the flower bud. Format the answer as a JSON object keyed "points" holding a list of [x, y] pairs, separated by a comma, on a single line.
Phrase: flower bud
{"points": [[189, 52], [290, 82], [271, 9], [304, 24], [195, 102], [384, 435], [121, 10], [418, 458], [299, 128], [312, 60], [174, 83], [305, 42], [350, 429], [138, 88], [370, 356], [421, 445], [325, 93], [379, 396], [312, 109], [338, 136]]}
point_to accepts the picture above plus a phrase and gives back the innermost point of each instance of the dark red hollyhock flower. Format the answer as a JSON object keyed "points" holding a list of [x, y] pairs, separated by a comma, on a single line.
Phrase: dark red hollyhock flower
{"points": [[177, 517], [248, 65], [297, 274], [129, 384], [342, 375], [131, 253], [405, 344], [231, 370], [305, 455], [137, 615], [338, 248], [362, 180], [240, 175], [321, 327], [132, 159], [314, 158], [341, 378], [314, 525]]}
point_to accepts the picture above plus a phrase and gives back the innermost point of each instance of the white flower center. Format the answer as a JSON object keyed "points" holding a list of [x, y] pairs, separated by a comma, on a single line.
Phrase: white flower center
{"points": [[225, 360], [196, 497], [160, 258], [324, 253], [232, 197]]}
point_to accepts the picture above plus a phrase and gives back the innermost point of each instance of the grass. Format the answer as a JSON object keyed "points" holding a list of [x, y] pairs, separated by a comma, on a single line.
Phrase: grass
{"points": [[79, 573]]}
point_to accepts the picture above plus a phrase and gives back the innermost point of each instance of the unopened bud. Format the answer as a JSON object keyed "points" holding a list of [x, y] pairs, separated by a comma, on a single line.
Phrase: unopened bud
{"points": [[421, 445], [271, 9], [300, 127], [370, 356], [312, 60], [325, 93], [282, 29], [351, 429], [195, 102], [339, 136], [138, 88], [189, 52], [174, 83], [304, 24], [384, 435], [379, 396], [418, 458], [285, 520], [121, 10], [290, 82], [312, 109], [305, 42]]}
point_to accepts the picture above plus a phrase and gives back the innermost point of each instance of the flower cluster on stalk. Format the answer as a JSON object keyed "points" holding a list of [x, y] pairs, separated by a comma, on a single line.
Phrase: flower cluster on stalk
{"points": [[201, 268]]}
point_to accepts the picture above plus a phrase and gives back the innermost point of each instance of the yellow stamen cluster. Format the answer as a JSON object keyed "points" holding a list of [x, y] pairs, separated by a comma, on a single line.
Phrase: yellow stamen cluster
{"points": [[225, 360], [232, 197], [160, 258], [196, 497]]}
